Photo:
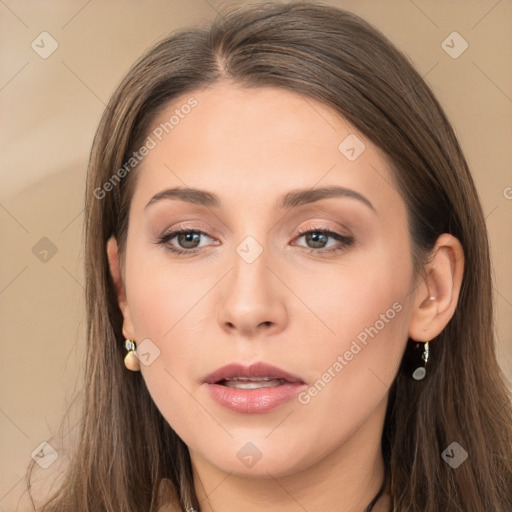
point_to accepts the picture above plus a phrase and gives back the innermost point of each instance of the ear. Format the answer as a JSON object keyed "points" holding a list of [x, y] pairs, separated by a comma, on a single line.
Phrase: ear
{"points": [[438, 293], [113, 261]]}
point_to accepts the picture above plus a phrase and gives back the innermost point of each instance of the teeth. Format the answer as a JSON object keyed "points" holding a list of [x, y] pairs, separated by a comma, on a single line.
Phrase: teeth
{"points": [[252, 383], [256, 379]]}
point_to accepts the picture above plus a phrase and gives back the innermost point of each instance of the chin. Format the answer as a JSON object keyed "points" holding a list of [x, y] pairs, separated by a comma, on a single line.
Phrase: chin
{"points": [[259, 459]]}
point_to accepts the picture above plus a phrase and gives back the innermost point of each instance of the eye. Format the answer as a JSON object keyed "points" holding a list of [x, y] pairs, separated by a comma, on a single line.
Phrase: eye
{"points": [[188, 239], [318, 237]]}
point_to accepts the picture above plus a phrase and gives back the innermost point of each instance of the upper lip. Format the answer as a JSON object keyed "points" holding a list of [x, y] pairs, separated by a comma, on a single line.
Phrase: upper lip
{"points": [[255, 370]]}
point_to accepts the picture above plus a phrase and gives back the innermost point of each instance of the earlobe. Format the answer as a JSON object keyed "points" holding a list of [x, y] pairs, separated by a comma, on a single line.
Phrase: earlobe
{"points": [[438, 294], [113, 261]]}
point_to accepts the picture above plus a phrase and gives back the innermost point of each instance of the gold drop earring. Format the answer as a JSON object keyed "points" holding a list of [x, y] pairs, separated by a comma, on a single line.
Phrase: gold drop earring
{"points": [[131, 361]]}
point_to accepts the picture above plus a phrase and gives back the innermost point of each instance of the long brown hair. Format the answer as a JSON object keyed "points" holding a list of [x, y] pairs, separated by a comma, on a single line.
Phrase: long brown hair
{"points": [[125, 446]]}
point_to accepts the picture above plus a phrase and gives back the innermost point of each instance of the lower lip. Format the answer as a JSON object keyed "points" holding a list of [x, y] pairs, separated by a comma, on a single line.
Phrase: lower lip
{"points": [[254, 401]]}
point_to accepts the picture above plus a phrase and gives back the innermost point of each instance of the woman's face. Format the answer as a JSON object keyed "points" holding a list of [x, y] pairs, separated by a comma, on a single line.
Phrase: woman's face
{"points": [[332, 310]]}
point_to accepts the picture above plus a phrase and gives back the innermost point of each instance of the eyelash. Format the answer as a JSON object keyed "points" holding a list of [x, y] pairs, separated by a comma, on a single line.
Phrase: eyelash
{"points": [[345, 241]]}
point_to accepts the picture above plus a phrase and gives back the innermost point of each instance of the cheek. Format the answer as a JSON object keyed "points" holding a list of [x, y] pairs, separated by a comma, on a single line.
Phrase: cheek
{"points": [[160, 294], [363, 297], [162, 305], [363, 330], [163, 311]]}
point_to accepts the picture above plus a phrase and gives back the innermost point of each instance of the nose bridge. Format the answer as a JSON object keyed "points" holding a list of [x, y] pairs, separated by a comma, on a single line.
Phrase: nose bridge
{"points": [[250, 273], [251, 252], [250, 297]]}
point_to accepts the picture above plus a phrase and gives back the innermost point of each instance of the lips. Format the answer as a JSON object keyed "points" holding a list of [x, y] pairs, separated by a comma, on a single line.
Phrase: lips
{"points": [[262, 372], [253, 389]]}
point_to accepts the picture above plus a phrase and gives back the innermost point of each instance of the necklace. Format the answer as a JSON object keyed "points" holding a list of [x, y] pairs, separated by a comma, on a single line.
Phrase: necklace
{"points": [[369, 508]]}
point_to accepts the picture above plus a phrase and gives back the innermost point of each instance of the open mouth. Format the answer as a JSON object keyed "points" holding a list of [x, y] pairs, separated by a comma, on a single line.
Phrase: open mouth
{"points": [[251, 382], [252, 389]]}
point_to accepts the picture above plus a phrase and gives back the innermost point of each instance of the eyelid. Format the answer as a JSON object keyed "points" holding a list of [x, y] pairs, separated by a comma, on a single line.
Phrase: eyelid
{"points": [[318, 226], [315, 227], [343, 240]]}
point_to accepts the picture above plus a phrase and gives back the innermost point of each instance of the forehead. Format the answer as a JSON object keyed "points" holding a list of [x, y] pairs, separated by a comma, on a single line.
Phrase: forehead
{"points": [[254, 144]]}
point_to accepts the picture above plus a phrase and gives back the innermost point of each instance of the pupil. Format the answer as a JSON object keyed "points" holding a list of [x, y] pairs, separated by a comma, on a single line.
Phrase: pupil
{"points": [[188, 237], [314, 237]]}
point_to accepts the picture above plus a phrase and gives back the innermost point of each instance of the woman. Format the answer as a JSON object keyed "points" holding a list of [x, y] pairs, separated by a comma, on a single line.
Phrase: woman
{"points": [[285, 245]]}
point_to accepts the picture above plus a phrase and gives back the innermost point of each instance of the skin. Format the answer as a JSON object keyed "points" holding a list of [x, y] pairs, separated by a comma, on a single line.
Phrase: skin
{"points": [[291, 308]]}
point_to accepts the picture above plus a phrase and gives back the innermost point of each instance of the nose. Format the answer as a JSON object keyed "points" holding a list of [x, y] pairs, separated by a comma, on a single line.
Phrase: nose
{"points": [[253, 299]]}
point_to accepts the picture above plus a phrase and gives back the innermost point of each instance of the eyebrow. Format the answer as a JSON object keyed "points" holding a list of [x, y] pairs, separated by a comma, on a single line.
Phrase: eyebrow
{"points": [[289, 200]]}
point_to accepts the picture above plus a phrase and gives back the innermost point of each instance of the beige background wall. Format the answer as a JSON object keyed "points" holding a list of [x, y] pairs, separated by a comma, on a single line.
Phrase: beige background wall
{"points": [[49, 110]]}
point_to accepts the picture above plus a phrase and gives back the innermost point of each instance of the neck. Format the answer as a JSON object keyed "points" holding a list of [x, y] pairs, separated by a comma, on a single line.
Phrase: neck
{"points": [[346, 479]]}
